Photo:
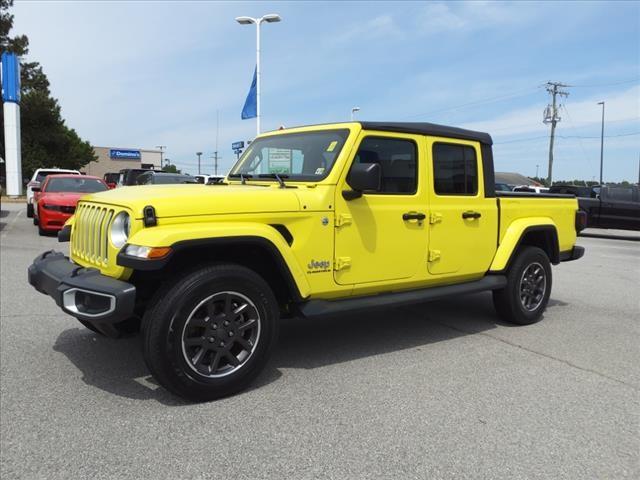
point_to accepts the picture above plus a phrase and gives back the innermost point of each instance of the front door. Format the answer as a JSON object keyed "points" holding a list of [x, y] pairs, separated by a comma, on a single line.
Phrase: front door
{"points": [[463, 222], [382, 235]]}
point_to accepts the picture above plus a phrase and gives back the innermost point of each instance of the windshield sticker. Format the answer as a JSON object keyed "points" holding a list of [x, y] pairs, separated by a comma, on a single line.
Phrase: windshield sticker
{"points": [[279, 160], [332, 146], [319, 171]]}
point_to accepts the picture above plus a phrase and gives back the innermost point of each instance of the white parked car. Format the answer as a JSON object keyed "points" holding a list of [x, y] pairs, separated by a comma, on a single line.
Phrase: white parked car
{"points": [[531, 189], [201, 178], [38, 177]]}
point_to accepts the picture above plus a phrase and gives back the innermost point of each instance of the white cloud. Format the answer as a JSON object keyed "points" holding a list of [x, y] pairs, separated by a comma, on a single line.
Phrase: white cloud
{"points": [[438, 17], [620, 107], [378, 27]]}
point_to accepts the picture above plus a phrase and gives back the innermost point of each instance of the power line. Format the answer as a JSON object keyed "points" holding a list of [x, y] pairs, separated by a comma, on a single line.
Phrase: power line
{"points": [[521, 93], [634, 80], [565, 137]]}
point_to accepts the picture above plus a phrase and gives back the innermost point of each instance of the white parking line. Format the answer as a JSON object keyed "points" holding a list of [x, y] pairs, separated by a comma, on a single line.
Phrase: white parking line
{"points": [[11, 224]]}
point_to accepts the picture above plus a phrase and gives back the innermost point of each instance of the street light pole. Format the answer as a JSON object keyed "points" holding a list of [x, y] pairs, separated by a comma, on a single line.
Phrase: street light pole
{"points": [[601, 142], [269, 18], [199, 154], [354, 110]]}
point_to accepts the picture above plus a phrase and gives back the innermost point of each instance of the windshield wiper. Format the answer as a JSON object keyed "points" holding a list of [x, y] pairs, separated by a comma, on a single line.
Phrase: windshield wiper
{"points": [[277, 176], [241, 176]]}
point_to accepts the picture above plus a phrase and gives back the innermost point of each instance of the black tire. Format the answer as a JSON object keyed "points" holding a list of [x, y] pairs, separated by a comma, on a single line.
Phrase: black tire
{"points": [[192, 302], [35, 220], [526, 295], [29, 210]]}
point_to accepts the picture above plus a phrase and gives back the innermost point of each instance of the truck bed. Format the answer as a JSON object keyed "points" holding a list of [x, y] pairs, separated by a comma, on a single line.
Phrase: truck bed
{"points": [[558, 210]]}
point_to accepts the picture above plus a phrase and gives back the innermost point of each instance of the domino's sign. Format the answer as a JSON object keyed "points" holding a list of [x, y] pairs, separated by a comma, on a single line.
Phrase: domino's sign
{"points": [[125, 154]]}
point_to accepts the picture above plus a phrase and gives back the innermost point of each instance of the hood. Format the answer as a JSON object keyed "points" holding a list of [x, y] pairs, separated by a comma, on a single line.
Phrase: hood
{"points": [[67, 199], [198, 199]]}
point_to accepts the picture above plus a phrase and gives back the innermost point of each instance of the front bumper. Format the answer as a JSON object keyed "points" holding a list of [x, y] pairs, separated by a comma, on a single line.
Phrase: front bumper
{"points": [[52, 219], [83, 292]]}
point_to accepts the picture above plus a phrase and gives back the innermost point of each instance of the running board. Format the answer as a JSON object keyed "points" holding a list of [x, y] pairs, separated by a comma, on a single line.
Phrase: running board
{"points": [[316, 308]]}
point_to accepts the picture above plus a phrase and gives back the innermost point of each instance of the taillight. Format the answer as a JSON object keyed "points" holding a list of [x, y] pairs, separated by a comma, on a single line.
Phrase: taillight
{"points": [[33, 184], [581, 220]]}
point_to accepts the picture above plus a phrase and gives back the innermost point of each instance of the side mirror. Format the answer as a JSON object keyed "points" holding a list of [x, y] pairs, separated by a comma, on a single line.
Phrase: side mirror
{"points": [[363, 177], [35, 189]]}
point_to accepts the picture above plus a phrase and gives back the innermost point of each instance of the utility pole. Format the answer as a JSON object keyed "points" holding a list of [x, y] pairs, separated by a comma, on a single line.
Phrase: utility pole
{"points": [[537, 169], [551, 116], [215, 162], [199, 154]]}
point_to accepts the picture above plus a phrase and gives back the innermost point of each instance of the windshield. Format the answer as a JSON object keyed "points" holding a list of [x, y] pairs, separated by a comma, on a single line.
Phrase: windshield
{"points": [[80, 185], [42, 174], [296, 156]]}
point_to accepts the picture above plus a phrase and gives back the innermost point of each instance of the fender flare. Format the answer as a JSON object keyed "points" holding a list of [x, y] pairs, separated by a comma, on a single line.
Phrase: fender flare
{"points": [[514, 236], [189, 235]]}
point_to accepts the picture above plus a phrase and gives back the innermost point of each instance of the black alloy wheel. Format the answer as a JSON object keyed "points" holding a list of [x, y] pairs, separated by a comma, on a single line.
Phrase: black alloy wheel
{"points": [[221, 334]]}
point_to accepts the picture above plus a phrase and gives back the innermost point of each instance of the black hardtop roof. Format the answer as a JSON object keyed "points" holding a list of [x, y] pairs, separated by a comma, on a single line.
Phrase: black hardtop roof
{"points": [[433, 129]]}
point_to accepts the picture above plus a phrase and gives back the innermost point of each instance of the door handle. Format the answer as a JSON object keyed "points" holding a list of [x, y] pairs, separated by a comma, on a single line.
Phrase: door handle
{"points": [[471, 214], [413, 216]]}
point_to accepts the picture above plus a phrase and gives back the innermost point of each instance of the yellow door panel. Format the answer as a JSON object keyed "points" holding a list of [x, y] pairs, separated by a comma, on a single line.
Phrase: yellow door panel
{"points": [[463, 223], [383, 236], [378, 244]]}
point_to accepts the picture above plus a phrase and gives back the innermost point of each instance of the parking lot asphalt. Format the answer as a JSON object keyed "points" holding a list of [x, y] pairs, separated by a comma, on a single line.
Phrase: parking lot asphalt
{"points": [[440, 390]]}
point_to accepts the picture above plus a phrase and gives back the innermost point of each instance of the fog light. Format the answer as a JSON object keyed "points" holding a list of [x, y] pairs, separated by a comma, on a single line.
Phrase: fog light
{"points": [[87, 303]]}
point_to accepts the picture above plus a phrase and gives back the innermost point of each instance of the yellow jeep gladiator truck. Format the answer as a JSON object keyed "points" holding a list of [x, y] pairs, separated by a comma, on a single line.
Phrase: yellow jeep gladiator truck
{"points": [[310, 221]]}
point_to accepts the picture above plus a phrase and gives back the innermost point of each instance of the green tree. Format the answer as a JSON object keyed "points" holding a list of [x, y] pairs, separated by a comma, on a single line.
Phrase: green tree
{"points": [[46, 140], [171, 168]]}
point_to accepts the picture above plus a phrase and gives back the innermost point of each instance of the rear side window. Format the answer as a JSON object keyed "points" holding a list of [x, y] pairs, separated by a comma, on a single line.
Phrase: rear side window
{"points": [[455, 169], [397, 159]]}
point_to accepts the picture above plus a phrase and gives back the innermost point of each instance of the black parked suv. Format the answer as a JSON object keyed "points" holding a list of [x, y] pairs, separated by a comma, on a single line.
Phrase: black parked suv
{"points": [[161, 178], [575, 190]]}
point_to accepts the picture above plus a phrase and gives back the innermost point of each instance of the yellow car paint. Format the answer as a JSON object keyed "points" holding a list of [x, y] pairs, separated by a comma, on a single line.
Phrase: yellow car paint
{"points": [[342, 247]]}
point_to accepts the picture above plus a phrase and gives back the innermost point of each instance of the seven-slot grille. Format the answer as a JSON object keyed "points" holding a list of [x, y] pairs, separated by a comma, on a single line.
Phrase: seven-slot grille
{"points": [[90, 239]]}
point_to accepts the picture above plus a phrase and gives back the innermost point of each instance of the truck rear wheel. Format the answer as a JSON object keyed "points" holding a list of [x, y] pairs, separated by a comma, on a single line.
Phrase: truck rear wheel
{"points": [[29, 210], [526, 295], [210, 333]]}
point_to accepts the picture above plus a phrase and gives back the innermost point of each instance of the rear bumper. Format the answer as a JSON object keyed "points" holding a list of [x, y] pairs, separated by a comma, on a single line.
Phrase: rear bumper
{"points": [[83, 292], [574, 254]]}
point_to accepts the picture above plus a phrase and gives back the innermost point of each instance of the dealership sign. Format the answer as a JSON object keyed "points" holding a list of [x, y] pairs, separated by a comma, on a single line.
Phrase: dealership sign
{"points": [[125, 154]]}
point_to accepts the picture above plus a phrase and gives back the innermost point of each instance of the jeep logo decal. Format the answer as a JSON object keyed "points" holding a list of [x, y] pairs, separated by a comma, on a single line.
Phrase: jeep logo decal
{"points": [[316, 266]]}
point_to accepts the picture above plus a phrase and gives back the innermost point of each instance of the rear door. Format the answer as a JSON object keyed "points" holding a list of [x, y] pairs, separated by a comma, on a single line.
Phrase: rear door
{"points": [[463, 222]]}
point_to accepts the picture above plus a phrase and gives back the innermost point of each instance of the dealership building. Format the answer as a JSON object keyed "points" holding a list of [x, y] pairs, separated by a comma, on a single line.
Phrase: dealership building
{"points": [[114, 159]]}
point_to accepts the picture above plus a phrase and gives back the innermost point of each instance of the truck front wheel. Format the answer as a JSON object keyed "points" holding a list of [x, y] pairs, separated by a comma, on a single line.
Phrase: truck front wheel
{"points": [[210, 333], [526, 295]]}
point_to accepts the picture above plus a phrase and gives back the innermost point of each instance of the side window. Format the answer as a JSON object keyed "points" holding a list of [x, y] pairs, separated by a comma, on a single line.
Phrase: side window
{"points": [[455, 169], [621, 194], [397, 159]]}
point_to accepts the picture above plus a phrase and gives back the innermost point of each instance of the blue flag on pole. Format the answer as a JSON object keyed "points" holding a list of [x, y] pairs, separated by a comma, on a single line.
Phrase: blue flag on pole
{"points": [[250, 106]]}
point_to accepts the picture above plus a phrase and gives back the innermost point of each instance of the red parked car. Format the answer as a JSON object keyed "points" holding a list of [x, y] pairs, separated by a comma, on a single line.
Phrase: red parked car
{"points": [[58, 196]]}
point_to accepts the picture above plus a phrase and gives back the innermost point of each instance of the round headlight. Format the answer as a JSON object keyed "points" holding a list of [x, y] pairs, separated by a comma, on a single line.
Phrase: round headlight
{"points": [[120, 229]]}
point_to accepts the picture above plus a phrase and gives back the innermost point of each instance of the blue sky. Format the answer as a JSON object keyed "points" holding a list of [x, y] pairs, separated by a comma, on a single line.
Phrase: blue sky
{"points": [[155, 73]]}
